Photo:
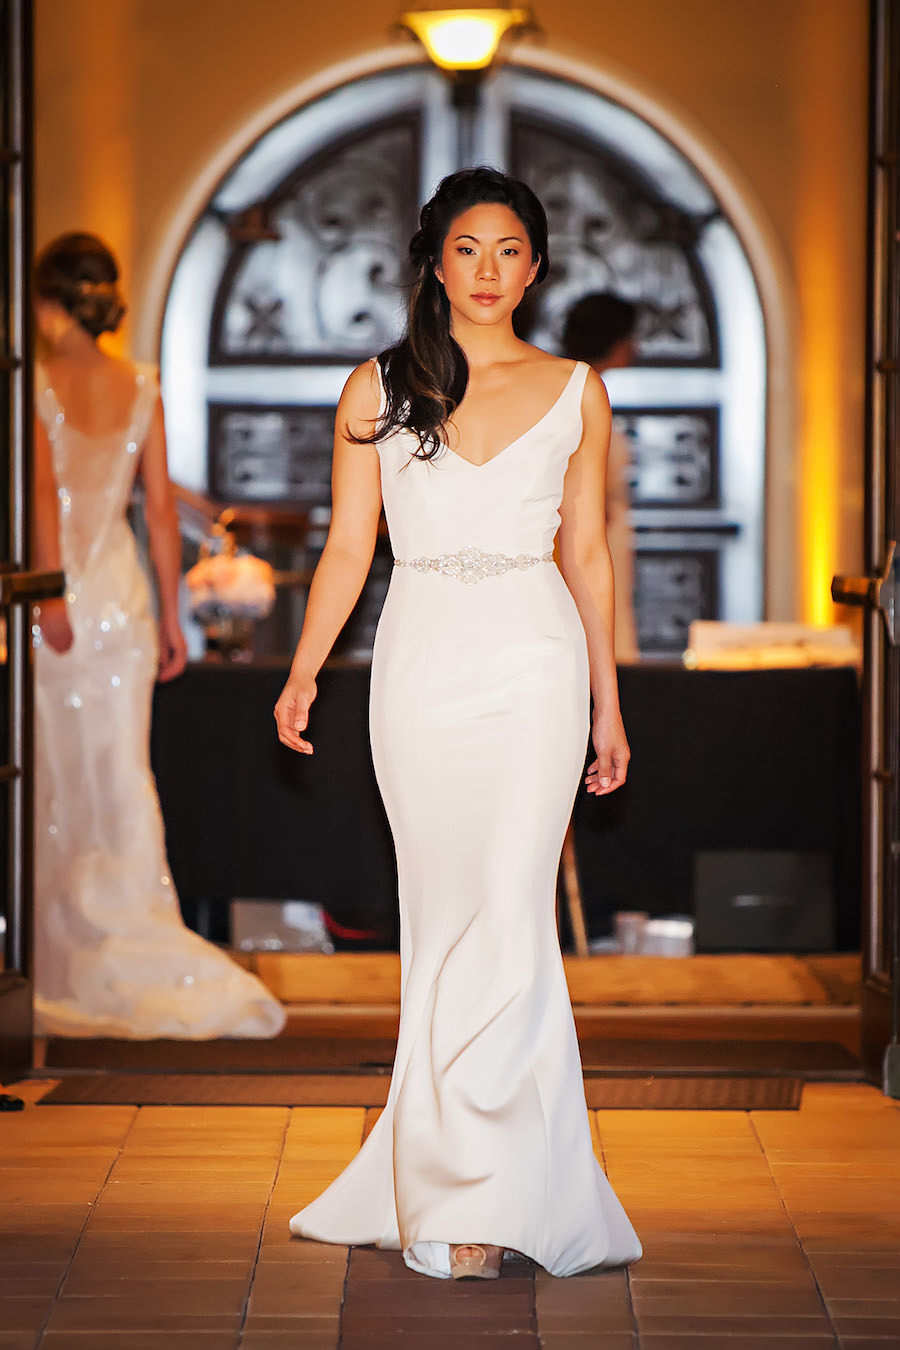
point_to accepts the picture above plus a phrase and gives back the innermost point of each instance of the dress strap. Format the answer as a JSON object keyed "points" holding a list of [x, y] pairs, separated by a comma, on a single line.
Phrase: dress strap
{"points": [[146, 395], [577, 381], [579, 378], [46, 403]]}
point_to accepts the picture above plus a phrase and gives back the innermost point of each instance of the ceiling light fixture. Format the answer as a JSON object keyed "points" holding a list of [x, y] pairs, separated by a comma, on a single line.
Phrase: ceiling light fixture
{"points": [[459, 41]]}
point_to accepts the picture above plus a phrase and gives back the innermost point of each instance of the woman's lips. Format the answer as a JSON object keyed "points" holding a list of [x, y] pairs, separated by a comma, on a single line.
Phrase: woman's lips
{"points": [[486, 298]]}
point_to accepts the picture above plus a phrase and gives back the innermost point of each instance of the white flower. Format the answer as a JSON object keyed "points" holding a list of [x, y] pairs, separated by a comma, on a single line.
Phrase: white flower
{"points": [[237, 582]]}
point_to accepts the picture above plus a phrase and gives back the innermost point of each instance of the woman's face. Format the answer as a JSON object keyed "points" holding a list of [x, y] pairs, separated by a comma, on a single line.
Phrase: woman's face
{"points": [[486, 263]]}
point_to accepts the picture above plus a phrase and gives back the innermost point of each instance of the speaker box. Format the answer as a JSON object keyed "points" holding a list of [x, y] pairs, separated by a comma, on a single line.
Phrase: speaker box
{"points": [[278, 926], [763, 901]]}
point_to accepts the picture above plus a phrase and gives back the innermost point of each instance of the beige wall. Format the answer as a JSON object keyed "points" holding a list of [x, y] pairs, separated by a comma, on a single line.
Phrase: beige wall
{"points": [[135, 99]]}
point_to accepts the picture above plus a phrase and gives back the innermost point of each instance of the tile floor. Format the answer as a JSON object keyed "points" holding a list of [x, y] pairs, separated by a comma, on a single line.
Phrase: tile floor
{"points": [[166, 1228]]}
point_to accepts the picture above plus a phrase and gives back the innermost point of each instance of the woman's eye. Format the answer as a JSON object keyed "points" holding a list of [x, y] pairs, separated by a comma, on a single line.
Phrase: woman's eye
{"points": [[511, 252], [464, 248]]}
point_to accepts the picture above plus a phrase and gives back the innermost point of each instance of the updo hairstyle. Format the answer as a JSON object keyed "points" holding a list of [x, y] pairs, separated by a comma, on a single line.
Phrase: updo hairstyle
{"points": [[80, 273], [425, 374]]}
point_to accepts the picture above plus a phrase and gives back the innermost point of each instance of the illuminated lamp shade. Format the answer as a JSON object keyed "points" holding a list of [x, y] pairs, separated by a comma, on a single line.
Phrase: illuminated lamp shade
{"points": [[464, 39]]}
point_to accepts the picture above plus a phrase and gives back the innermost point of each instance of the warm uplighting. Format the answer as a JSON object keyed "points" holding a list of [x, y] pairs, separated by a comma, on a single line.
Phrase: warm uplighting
{"points": [[464, 39], [820, 432]]}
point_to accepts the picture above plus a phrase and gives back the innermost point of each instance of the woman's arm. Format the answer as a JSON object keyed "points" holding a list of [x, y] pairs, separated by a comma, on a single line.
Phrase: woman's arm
{"points": [[587, 568], [165, 544], [51, 614], [346, 557]]}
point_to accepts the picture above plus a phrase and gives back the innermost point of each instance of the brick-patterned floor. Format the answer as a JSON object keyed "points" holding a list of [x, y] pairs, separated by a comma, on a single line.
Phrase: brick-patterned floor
{"points": [[166, 1229]]}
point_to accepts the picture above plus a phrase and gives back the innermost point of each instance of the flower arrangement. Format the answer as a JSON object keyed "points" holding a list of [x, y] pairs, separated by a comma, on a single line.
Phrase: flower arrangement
{"points": [[228, 592], [236, 583]]}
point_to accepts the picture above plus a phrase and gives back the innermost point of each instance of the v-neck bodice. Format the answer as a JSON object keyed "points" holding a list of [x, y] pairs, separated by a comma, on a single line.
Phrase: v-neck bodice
{"points": [[509, 504], [535, 426]]}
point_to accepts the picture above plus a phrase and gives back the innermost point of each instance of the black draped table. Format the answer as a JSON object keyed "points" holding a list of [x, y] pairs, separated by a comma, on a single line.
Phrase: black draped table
{"points": [[736, 760]]}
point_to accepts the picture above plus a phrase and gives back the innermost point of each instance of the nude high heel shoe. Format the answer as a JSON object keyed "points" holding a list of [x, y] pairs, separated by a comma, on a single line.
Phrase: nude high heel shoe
{"points": [[473, 1261]]}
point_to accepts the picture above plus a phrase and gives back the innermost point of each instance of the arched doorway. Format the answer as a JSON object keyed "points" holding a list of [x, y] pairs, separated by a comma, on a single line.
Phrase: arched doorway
{"points": [[294, 272]]}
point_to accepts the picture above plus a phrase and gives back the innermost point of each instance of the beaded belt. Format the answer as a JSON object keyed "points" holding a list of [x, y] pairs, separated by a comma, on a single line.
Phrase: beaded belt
{"points": [[473, 564]]}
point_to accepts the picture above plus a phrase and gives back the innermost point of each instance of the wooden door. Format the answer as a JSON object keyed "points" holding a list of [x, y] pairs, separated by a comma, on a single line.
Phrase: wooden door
{"points": [[19, 586], [879, 591]]}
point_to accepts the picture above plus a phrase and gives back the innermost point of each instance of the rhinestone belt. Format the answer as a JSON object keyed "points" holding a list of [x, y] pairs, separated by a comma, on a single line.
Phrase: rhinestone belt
{"points": [[473, 564]]}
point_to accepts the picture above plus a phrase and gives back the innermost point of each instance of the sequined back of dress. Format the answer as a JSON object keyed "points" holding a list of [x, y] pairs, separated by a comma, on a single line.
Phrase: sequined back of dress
{"points": [[112, 954], [94, 475]]}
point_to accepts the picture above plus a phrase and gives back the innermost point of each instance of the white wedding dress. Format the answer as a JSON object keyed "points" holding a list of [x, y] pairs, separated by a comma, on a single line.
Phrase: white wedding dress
{"points": [[479, 724], [112, 954]]}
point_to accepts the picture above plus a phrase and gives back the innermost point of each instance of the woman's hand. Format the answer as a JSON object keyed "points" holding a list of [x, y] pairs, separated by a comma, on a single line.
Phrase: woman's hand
{"points": [[53, 619], [292, 711], [610, 768], [172, 650]]}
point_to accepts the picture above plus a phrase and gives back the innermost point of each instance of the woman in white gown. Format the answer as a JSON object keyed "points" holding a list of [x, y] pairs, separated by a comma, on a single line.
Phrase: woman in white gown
{"points": [[112, 954], [484, 451]]}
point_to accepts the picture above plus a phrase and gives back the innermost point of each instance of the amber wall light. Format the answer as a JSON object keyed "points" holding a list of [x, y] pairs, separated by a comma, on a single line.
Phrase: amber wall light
{"points": [[463, 40]]}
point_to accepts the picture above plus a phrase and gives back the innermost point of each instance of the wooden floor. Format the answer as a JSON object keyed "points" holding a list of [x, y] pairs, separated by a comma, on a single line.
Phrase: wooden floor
{"points": [[166, 1229]]}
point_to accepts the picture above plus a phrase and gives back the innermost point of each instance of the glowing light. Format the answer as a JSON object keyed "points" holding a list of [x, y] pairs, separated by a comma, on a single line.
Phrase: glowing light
{"points": [[463, 39], [829, 250], [820, 446]]}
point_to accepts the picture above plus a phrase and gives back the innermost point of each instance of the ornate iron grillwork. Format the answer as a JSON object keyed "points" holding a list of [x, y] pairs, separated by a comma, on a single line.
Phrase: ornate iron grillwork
{"points": [[330, 285], [673, 456], [266, 454], [611, 229], [305, 246], [671, 590]]}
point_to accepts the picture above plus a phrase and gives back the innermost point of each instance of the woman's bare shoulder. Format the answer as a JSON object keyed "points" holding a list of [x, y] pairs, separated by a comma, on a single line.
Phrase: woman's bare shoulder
{"points": [[121, 373], [539, 360], [596, 415], [595, 394], [360, 402], [361, 394]]}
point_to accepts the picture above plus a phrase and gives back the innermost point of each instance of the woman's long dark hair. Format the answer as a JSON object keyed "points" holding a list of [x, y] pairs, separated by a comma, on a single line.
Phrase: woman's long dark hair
{"points": [[425, 374]]}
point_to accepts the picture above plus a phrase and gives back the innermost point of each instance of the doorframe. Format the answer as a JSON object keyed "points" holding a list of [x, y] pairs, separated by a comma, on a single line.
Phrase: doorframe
{"points": [[881, 666], [16, 1044]]}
